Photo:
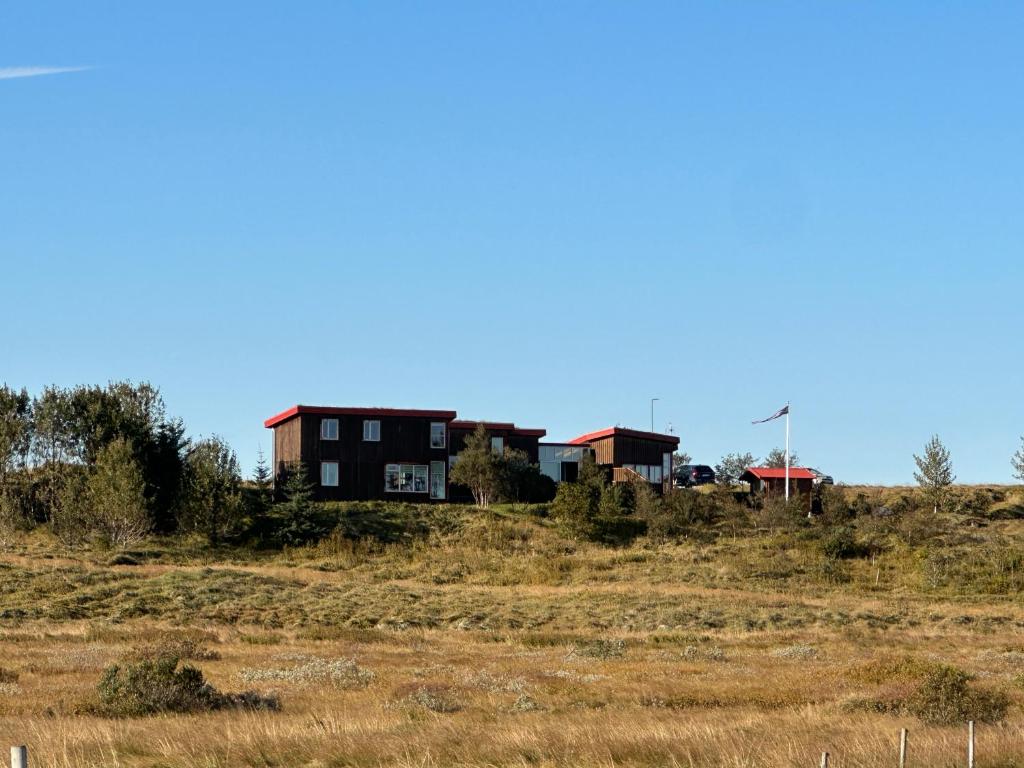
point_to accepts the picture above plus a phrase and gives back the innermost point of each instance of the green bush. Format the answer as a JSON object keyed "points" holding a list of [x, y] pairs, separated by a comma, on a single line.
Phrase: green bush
{"points": [[152, 686], [839, 543], [945, 698]]}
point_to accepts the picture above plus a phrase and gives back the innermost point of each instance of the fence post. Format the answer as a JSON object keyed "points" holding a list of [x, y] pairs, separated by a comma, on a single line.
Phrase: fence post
{"points": [[970, 744], [824, 760], [19, 757], [903, 748]]}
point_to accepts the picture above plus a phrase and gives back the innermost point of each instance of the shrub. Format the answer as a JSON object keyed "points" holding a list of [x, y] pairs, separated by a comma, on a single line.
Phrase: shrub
{"points": [[944, 698], [938, 694], [148, 687], [839, 543], [574, 509]]}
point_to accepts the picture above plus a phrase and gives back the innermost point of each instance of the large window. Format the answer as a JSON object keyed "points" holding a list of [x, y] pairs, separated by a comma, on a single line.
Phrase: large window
{"points": [[329, 473], [498, 445], [437, 434], [328, 429], [437, 479], [666, 465], [406, 478], [371, 430], [560, 462]]}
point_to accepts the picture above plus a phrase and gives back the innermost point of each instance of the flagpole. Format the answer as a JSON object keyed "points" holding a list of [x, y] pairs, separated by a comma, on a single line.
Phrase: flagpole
{"points": [[787, 451]]}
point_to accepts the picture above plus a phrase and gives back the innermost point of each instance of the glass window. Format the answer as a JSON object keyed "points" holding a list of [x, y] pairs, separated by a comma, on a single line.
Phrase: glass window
{"points": [[437, 434], [666, 465], [371, 430], [419, 481], [655, 474], [437, 479], [407, 478], [547, 453], [498, 445], [552, 469], [328, 429], [391, 473], [329, 473], [452, 460]]}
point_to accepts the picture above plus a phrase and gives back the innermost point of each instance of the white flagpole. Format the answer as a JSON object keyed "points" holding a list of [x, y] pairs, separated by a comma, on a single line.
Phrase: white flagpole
{"points": [[787, 451]]}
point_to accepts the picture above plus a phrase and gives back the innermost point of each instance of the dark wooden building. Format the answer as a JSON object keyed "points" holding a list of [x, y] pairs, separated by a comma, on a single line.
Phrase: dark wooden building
{"points": [[771, 482], [365, 453], [503, 435], [628, 453]]}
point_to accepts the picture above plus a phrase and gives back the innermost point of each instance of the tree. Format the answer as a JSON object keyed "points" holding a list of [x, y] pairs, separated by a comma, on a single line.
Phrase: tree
{"points": [[679, 460], [213, 503], [116, 496], [1018, 462], [776, 458], [477, 467], [297, 511], [935, 472], [732, 465], [15, 430], [263, 489]]}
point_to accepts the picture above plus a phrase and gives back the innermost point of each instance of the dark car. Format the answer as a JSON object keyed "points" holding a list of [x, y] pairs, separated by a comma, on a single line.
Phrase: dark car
{"points": [[689, 475], [820, 478]]}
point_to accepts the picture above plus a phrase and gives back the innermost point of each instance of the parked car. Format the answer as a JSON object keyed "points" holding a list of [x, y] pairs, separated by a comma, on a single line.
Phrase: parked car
{"points": [[820, 478], [689, 475]]}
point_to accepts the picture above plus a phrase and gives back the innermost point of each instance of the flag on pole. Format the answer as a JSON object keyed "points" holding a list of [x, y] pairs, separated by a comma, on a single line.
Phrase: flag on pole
{"points": [[779, 413]]}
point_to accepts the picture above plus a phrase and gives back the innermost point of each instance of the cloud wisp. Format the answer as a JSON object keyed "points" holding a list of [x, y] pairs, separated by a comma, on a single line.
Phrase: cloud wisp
{"points": [[11, 73]]}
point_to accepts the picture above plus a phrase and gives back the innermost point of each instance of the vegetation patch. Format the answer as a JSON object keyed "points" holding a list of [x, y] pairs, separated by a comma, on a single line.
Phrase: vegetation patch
{"points": [[936, 693], [150, 687], [306, 670]]}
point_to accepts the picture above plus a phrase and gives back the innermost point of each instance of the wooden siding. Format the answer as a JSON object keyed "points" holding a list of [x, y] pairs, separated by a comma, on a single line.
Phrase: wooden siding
{"points": [[361, 464]]}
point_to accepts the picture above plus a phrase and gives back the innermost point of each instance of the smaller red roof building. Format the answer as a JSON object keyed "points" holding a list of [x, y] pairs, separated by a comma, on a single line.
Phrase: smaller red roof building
{"points": [[771, 482]]}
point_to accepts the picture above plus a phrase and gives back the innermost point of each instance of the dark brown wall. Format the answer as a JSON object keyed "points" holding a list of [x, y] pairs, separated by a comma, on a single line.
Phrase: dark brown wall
{"points": [[361, 464], [620, 449], [527, 443]]}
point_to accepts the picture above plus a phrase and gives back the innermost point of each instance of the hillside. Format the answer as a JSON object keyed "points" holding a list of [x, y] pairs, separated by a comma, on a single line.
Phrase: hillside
{"points": [[462, 637]]}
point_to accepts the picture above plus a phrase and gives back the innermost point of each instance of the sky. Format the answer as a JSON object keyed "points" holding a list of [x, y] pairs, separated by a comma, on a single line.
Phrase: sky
{"points": [[546, 213]]}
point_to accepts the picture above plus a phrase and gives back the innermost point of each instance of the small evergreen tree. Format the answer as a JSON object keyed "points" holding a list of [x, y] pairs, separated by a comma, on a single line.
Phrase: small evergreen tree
{"points": [[478, 467], [935, 472], [263, 489], [213, 501], [1018, 462], [297, 512], [116, 492]]}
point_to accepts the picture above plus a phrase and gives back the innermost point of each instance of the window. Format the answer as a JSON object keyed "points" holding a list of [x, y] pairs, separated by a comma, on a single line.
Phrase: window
{"points": [[437, 434], [371, 430], [328, 429], [437, 479], [406, 478], [666, 465], [655, 475], [552, 469], [498, 445], [329, 473]]}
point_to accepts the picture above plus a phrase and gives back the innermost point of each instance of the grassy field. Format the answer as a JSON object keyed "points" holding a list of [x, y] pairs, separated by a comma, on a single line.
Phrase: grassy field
{"points": [[492, 640]]}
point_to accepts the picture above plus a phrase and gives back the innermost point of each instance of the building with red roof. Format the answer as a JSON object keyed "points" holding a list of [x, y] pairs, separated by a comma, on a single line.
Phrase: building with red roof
{"points": [[771, 482], [631, 454]]}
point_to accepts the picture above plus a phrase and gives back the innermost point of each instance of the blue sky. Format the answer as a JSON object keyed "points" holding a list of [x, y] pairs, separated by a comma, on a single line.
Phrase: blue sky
{"points": [[532, 211]]}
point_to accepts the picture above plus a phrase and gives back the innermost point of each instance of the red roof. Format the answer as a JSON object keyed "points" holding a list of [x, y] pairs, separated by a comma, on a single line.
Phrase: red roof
{"points": [[295, 410], [497, 426], [779, 473], [623, 432]]}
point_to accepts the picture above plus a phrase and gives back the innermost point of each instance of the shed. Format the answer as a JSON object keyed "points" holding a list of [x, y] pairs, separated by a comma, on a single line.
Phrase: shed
{"points": [[771, 481]]}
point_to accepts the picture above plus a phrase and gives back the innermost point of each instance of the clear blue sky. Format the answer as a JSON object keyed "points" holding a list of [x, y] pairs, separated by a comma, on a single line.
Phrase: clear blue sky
{"points": [[532, 211]]}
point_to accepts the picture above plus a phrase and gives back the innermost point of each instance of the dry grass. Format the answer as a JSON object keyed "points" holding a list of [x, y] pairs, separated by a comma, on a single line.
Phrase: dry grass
{"points": [[508, 647]]}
